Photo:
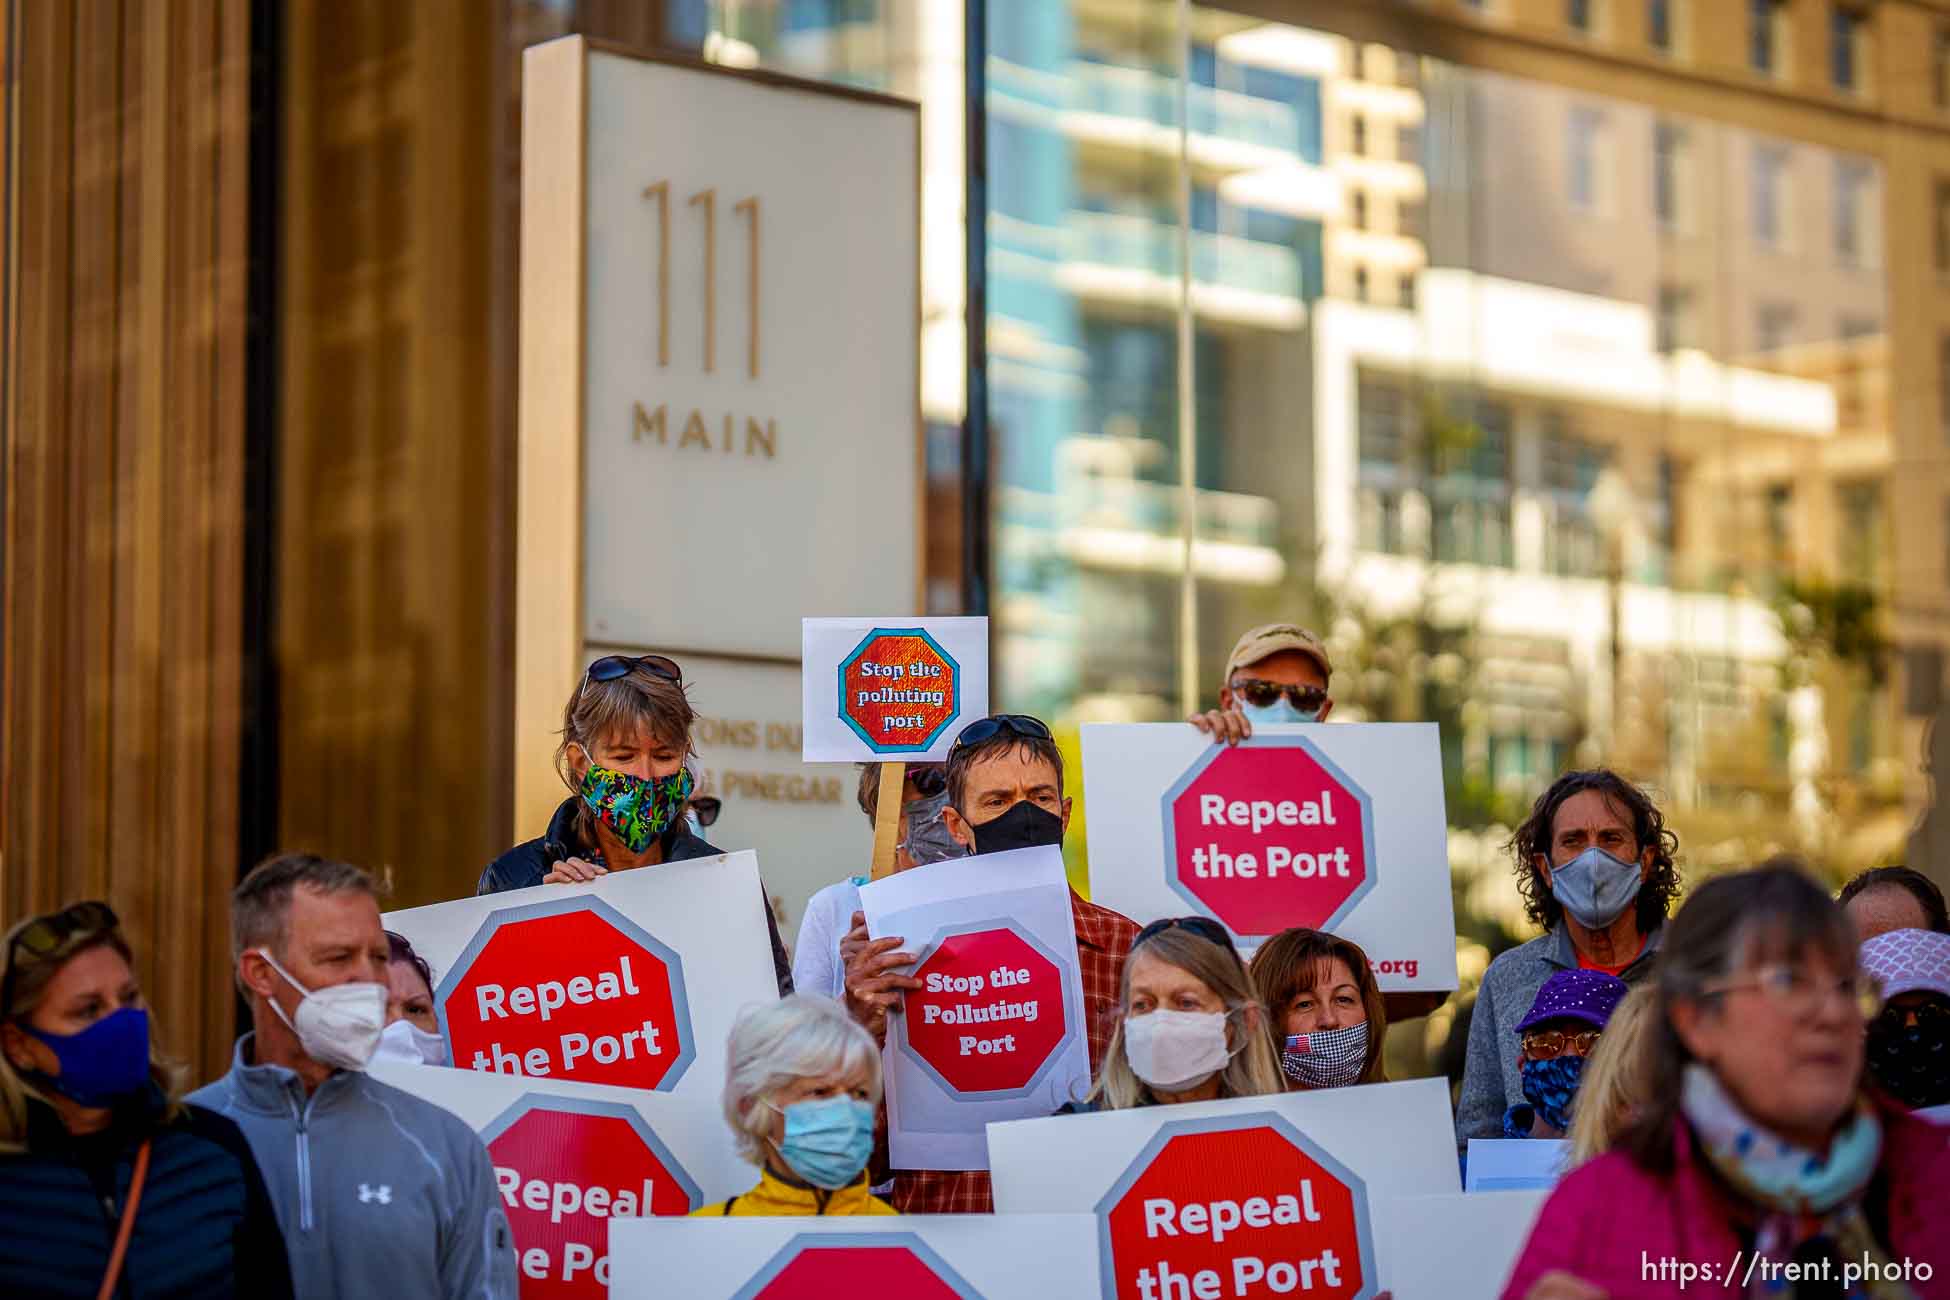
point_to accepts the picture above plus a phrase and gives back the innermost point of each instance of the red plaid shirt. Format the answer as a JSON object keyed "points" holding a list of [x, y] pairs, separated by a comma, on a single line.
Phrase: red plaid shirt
{"points": [[1103, 940]]}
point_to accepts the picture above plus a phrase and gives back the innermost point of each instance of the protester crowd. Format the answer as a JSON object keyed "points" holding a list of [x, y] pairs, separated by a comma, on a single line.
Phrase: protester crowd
{"points": [[1736, 1076]]}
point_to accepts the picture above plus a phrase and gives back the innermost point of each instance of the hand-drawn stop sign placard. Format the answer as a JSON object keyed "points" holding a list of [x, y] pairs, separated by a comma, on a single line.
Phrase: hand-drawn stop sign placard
{"points": [[990, 1016], [899, 690], [1243, 1206], [818, 1266], [564, 1167], [1268, 835], [568, 989]]}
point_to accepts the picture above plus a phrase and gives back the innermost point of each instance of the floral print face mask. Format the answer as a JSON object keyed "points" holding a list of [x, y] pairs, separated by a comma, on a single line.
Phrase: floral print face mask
{"points": [[636, 809]]}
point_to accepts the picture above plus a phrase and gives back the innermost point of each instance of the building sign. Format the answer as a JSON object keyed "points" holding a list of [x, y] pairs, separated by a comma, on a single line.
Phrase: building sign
{"points": [[720, 333]]}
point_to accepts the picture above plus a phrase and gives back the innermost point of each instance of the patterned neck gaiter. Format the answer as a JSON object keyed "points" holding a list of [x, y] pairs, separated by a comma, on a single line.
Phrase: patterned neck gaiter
{"points": [[1550, 1086], [636, 809]]}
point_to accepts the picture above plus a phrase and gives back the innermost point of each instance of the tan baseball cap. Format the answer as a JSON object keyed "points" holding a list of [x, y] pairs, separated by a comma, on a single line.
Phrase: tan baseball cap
{"points": [[1272, 638]]}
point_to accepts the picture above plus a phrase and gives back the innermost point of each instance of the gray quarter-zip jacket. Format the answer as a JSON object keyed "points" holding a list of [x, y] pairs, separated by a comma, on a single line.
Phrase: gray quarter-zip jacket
{"points": [[378, 1192], [1491, 1081]]}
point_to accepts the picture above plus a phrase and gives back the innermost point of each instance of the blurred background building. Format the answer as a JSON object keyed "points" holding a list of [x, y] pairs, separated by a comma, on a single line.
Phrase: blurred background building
{"points": [[1581, 368]]}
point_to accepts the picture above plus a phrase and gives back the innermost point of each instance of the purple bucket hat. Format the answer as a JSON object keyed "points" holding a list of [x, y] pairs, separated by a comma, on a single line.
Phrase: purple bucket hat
{"points": [[1587, 995], [1908, 960]]}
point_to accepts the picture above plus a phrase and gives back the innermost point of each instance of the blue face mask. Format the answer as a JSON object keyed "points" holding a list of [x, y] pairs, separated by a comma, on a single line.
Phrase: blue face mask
{"points": [[1280, 710], [1595, 888], [827, 1141], [1550, 1086], [103, 1063]]}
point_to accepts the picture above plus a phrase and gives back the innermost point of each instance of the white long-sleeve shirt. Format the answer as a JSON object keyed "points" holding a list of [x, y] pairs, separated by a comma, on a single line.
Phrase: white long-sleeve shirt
{"points": [[817, 970]]}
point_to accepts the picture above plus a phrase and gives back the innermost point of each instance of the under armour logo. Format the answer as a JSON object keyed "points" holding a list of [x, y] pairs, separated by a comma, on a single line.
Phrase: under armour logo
{"points": [[382, 1193]]}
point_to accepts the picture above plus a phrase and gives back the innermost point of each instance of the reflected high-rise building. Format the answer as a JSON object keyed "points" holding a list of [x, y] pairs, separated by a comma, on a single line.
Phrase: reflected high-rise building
{"points": [[1583, 381]]}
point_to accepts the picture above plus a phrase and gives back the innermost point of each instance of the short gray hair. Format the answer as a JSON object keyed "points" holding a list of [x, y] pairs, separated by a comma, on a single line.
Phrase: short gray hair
{"points": [[779, 1043], [261, 903]]}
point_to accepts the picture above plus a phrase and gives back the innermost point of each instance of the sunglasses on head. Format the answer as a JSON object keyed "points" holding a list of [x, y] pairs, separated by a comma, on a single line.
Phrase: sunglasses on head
{"points": [[1262, 694], [613, 667], [43, 938], [1204, 927], [983, 730]]}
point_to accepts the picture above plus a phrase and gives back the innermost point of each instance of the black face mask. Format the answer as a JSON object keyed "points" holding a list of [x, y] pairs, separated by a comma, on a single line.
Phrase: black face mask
{"points": [[1913, 1064], [1024, 826]]}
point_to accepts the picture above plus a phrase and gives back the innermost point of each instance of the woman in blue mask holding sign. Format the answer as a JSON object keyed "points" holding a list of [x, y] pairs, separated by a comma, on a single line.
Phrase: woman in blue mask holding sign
{"points": [[109, 1183], [802, 1085], [1595, 868], [626, 736]]}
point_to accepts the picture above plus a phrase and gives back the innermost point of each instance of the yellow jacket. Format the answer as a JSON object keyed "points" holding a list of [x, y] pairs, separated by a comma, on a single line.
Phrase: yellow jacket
{"points": [[775, 1196]]}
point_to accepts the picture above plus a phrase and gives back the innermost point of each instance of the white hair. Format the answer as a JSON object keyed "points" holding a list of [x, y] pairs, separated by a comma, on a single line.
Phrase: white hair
{"points": [[777, 1044]]}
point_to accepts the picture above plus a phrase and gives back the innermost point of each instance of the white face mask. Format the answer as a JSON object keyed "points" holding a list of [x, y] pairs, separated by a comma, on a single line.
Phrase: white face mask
{"points": [[338, 1026], [406, 1042], [1175, 1050]]}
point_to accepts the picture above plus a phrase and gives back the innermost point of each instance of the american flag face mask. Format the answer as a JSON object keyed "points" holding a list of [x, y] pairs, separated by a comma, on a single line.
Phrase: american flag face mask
{"points": [[1330, 1058]]}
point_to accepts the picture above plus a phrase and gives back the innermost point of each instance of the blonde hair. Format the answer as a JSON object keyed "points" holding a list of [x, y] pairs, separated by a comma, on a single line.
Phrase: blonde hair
{"points": [[29, 986], [1253, 1070], [1614, 1082]]}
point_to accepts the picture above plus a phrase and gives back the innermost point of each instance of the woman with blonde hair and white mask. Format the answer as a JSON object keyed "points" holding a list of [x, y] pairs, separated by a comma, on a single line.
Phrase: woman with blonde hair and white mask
{"points": [[1192, 1028], [802, 1087]]}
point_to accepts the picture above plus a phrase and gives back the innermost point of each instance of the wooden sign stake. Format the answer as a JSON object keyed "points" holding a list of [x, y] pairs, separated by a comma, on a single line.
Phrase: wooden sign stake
{"points": [[887, 817]]}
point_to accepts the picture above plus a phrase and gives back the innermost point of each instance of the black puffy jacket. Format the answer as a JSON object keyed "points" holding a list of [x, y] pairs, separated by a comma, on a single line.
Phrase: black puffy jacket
{"points": [[525, 864], [205, 1226]]}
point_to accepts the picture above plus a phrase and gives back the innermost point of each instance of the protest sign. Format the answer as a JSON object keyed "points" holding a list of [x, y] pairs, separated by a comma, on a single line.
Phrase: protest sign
{"points": [[1248, 1198], [1514, 1164], [631, 980], [996, 1032], [1453, 1247], [570, 1157], [914, 1257], [892, 688], [1334, 827]]}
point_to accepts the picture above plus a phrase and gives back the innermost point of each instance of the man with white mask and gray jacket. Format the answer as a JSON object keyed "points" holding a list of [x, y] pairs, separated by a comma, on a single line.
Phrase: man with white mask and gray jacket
{"points": [[378, 1193]]}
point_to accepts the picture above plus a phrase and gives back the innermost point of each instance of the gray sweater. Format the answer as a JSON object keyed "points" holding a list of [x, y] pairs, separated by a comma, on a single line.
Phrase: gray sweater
{"points": [[378, 1192], [1491, 1084]]}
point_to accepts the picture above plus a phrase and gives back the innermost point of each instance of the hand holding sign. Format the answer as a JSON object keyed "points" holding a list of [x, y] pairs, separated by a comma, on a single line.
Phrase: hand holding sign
{"points": [[873, 984]]}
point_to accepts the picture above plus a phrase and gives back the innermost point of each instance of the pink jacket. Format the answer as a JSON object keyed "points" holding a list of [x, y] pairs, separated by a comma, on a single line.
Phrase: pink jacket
{"points": [[1612, 1224]]}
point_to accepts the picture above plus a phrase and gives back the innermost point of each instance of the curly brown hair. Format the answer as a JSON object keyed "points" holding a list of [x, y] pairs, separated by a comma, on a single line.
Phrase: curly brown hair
{"points": [[1533, 840]]}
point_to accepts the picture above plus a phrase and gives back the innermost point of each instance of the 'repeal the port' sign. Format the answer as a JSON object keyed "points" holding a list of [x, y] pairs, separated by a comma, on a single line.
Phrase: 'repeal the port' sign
{"points": [[1248, 1199], [631, 981], [879, 690], [1326, 826]]}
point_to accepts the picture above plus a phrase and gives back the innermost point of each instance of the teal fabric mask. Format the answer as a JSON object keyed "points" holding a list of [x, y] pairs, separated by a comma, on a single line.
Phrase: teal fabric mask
{"points": [[827, 1141], [636, 809], [1279, 711]]}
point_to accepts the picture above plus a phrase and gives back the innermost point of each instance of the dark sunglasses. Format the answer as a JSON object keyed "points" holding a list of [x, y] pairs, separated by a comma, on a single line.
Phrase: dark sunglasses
{"points": [[983, 730], [611, 667], [928, 781], [1261, 694], [707, 809], [1203, 927], [45, 937]]}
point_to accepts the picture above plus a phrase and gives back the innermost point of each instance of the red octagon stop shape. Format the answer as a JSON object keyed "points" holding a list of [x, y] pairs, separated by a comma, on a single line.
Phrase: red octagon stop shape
{"points": [[568, 989], [1268, 835], [820, 1266], [564, 1168], [899, 690], [1243, 1206], [989, 1016]]}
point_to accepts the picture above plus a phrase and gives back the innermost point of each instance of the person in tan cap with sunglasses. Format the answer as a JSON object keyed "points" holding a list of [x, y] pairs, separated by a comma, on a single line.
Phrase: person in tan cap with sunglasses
{"points": [[1277, 673]]}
